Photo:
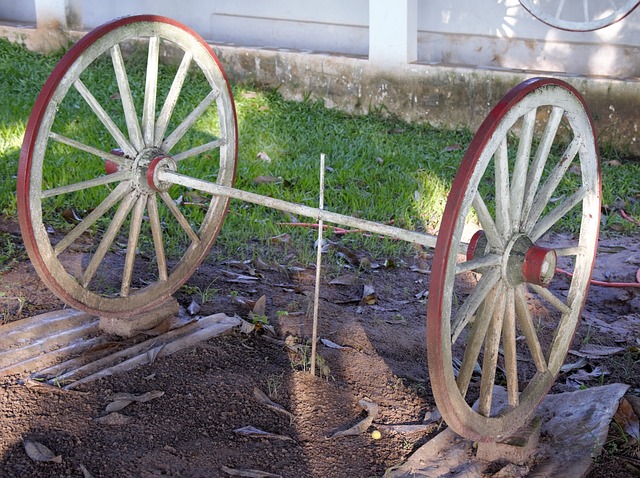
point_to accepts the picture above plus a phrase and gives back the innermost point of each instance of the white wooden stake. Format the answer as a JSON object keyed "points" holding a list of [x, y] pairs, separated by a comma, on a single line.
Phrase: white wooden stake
{"points": [[316, 299]]}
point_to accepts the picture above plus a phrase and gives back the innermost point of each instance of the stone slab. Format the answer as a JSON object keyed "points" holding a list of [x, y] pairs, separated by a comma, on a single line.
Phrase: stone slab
{"points": [[575, 426]]}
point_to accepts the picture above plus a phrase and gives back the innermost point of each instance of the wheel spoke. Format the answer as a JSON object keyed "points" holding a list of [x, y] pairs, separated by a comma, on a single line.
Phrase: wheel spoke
{"points": [[556, 214], [585, 5], [116, 195], [172, 99], [487, 223], [560, 8], [547, 295], [130, 115], [119, 160], [183, 127], [179, 217], [132, 245], [105, 119], [156, 232], [525, 322], [569, 251], [543, 196], [199, 149], [521, 167], [108, 238], [90, 183], [503, 221], [540, 160], [473, 302], [490, 359], [488, 260], [509, 346], [476, 338], [150, 91]]}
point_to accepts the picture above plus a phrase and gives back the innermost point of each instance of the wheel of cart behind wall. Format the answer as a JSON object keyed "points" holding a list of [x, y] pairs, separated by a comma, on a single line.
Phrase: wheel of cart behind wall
{"points": [[102, 232], [502, 318], [585, 16]]}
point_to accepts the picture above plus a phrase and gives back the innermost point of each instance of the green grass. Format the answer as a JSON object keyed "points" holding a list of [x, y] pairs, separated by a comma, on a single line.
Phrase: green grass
{"points": [[378, 168]]}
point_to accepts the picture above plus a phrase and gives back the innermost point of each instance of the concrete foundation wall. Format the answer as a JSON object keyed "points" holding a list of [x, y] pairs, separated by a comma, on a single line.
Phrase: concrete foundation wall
{"points": [[449, 97]]}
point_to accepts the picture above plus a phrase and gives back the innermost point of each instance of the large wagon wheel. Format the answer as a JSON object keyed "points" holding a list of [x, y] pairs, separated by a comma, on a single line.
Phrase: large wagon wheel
{"points": [[492, 317], [584, 16], [144, 236]]}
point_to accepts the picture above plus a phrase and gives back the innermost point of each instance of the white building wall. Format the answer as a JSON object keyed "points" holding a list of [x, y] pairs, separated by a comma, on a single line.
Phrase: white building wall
{"points": [[502, 34], [495, 34]]}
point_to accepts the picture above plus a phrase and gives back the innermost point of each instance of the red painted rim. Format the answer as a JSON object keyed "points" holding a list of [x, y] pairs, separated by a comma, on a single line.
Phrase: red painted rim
{"points": [[31, 136], [444, 243]]}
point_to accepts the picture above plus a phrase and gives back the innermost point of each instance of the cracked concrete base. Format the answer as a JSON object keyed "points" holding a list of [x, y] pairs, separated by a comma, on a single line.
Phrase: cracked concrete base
{"points": [[574, 428]]}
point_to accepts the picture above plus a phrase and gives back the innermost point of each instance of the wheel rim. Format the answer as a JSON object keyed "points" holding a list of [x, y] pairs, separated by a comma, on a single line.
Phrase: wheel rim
{"points": [[507, 270], [148, 123], [593, 15]]}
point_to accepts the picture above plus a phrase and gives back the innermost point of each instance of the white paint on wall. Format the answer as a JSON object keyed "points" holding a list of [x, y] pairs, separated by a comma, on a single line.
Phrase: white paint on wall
{"points": [[498, 34]]}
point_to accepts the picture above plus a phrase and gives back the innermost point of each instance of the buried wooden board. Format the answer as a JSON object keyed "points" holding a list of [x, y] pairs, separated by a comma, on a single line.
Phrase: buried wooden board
{"points": [[78, 352], [574, 426]]}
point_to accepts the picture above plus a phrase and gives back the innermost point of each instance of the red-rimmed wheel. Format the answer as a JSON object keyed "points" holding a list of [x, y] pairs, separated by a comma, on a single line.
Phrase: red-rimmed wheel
{"points": [[134, 94], [496, 316]]}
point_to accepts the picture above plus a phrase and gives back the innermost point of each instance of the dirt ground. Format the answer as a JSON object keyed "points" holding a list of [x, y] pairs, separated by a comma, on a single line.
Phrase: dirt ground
{"points": [[209, 390]]}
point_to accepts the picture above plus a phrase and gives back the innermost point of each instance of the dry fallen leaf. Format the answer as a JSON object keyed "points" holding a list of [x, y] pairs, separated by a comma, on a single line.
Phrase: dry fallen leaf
{"points": [[283, 238], [254, 432], [246, 327], [193, 308], [583, 376], [70, 216], [627, 419], [260, 306], [152, 353], [248, 473], [364, 424], [266, 179], [596, 351], [114, 419], [568, 367], [346, 279], [369, 295], [332, 345], [121, 400], [266, 401], [38, 452], [85, 472], [263, 156]]}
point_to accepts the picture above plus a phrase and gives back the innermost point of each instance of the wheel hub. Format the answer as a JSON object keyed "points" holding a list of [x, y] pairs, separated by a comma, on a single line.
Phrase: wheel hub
{"points": [[523, 261]]}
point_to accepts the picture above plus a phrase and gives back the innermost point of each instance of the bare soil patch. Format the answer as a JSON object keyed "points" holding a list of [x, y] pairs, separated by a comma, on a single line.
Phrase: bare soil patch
{"points": [[209, 390]]}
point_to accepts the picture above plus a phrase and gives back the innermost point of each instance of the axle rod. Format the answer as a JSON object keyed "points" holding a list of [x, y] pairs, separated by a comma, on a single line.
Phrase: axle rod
{"points": [[420, 238]]}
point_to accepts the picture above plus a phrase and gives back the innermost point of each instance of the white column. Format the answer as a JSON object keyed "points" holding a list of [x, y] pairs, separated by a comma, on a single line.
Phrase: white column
{"points": [[60, 13], [393, 31]]}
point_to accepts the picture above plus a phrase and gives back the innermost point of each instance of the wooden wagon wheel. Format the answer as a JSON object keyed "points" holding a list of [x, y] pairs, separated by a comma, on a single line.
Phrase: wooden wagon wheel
{"points": [[147, 235], [588, 16], [492, 317]]}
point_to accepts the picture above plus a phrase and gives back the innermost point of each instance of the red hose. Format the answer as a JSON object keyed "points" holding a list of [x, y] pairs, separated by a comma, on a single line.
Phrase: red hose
{"points": [[602, 283]]}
